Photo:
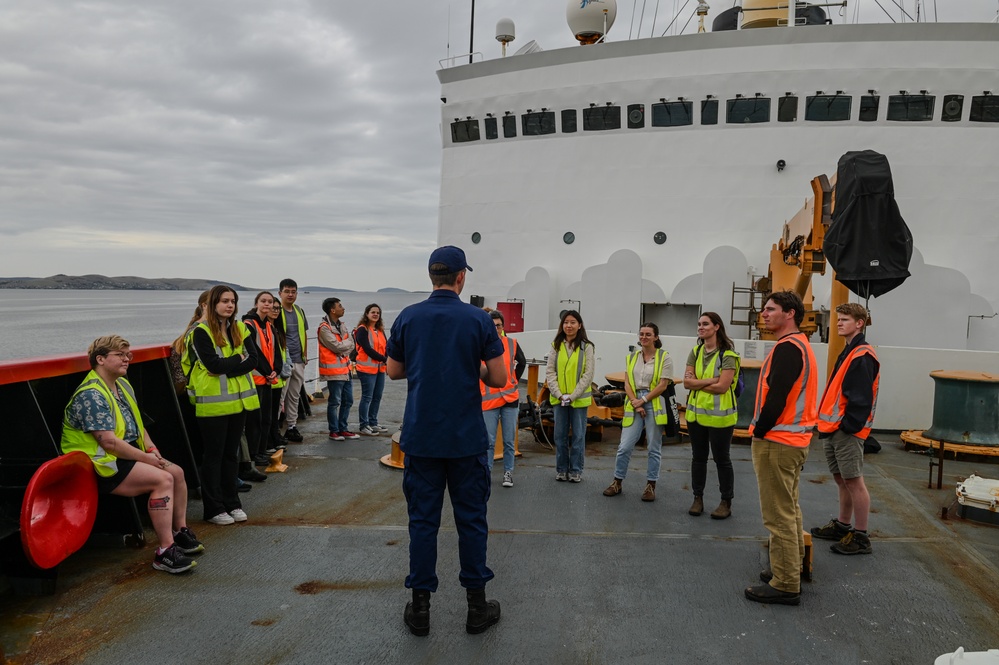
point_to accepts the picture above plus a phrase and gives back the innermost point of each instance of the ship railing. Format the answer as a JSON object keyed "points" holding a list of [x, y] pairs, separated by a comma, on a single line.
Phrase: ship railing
{"points": [[453, 60], [34, 393]]}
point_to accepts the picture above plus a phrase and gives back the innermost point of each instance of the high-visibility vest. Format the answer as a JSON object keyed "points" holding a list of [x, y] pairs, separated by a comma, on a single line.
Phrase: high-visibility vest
{"points": [[265, 341], [493, 398], [833, 405], [365, 363], [569, 368], [300, 315], [218, 394], [658, 404], [708, 409], [331, 364], [794, 426], [279, 384], [73, 439]]}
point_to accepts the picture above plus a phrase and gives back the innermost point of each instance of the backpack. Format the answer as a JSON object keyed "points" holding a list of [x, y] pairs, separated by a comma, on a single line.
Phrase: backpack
{"points": [[740, 384]]}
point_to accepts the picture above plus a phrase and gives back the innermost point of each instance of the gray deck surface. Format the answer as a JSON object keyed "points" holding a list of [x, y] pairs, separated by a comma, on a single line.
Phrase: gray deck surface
{"points": [[316, 574]]}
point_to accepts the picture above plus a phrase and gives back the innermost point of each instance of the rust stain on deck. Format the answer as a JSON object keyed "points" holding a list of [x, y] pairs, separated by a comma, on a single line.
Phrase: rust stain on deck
{"points": [[263, 622], [313, 587]]}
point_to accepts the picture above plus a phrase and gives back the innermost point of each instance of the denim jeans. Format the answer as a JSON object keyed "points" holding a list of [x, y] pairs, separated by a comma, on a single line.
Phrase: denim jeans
{"points": [[569, 458], [372, 386], [508, 416], [630, 436], [719, 441], [338, 405]]}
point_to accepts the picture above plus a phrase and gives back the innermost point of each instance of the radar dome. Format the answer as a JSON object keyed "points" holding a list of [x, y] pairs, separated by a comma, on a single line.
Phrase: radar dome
{"points": [[505, 31], [590, 20]]}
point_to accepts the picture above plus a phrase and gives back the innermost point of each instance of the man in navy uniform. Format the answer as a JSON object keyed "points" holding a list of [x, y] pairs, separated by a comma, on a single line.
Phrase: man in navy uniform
{"points": [[440, 346]]}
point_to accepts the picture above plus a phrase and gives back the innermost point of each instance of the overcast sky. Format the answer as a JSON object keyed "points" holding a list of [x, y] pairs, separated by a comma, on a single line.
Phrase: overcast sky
{"points": [[247, 140]]}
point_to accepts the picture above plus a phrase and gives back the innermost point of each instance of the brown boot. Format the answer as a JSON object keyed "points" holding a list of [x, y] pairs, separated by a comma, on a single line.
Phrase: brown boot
{"points": [[723, 510], [650, 491], [614, 488], [697, 507]]}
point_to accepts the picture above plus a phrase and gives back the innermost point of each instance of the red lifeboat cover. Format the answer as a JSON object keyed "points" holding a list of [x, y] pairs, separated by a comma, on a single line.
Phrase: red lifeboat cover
{"points": [[59, 509]]}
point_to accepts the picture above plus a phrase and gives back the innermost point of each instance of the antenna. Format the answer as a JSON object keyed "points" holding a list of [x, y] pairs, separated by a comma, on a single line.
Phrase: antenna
{"points": [[505, 33]]}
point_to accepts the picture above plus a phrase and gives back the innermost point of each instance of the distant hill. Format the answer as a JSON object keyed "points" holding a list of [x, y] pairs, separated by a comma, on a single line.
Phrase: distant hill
{"points": [[100, 283]]}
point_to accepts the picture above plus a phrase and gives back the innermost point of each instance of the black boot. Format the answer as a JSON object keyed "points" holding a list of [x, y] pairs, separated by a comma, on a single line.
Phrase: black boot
{"points": [[417, 614], [482, 613], [248, 472]]}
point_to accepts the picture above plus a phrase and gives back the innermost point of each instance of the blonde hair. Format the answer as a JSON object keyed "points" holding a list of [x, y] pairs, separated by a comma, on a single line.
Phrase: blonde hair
{"points": [[102, 346]]}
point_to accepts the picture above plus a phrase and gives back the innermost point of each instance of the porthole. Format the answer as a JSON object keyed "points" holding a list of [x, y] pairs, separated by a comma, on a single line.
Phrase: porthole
{"points": [[659, 237], [476, 238], [569, 237]]}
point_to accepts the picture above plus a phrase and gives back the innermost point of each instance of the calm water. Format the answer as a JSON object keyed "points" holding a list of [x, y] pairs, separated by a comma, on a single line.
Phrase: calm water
{"points": [[43, 322]]}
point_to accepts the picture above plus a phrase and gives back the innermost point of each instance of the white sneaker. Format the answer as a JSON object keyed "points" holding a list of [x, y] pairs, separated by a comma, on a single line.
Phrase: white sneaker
{"points": [[222, 519], [366, 430], [507, 479], [380, 428], [238, 515]]}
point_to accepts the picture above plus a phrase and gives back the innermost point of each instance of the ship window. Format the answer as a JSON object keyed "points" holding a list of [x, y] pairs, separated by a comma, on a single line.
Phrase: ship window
{"points": [[463, 131], [831, 107], [869, 108], [910, 108], [984, 108], [538, 123], [953, 106], [674, 114], [597, 118], [787, 108], [568, 121], [491, 131], [709, 112], [509, 126], [743, 110]]}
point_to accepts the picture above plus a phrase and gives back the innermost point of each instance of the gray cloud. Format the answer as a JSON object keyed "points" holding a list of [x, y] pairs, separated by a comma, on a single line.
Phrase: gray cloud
{"points": [[238, 139]]}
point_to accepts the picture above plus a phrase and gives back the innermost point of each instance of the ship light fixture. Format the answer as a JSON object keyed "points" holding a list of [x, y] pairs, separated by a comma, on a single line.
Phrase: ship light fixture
{"points": [[659, 238], [780, 165]]}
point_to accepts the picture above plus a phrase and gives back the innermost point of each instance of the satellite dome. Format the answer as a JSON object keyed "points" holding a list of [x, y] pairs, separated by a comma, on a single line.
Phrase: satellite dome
{"points": [[505, 31], [590, 20]]}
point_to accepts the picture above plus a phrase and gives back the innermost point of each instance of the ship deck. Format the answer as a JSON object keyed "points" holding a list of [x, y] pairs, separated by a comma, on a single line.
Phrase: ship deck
{"points": [[316, 574]]}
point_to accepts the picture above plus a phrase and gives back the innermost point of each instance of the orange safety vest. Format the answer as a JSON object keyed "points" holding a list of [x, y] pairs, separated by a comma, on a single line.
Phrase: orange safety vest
{"points": [[493, 398], [265, 340], [833, 404], [331, 364], [794, 426], [365, 363]]}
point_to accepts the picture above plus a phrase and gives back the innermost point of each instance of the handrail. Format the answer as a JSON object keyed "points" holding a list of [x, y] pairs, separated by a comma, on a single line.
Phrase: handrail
{"points": [[45, 367], [455, 57]]}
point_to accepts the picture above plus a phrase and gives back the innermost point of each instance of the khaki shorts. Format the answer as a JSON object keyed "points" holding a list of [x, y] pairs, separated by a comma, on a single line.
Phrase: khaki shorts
{"points": [[845, 454]]}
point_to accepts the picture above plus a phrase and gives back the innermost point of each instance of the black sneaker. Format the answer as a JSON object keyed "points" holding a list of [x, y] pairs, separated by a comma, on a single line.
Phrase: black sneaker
{"points": [[173, 561], [834, 530], [187, 542], [293, 435], [853, 543]]}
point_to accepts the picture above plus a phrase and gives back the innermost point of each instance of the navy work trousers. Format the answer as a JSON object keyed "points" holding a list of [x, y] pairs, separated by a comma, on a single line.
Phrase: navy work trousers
{"points": [[467, 482]]}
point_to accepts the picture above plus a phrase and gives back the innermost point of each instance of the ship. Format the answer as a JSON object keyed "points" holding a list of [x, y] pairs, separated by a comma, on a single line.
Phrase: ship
{"points": [[649, 179]]}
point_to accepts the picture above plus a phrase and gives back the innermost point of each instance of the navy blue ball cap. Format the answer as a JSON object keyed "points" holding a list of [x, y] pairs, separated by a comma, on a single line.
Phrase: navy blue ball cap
{"points": [[450, 256]]}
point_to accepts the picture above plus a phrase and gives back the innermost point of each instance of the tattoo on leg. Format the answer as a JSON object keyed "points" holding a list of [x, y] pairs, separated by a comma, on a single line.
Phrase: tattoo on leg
{"points": [[159, 504]]}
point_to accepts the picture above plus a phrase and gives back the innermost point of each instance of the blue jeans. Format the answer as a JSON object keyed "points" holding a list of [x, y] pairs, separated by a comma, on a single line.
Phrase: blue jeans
{"points": [[372, 386], [630, 436], [467, 483], [338, 405], [569, 458], [507, 415]]}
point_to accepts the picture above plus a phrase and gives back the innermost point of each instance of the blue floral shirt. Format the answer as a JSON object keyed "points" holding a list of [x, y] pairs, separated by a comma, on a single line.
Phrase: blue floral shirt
{"points": [[90, 412]]}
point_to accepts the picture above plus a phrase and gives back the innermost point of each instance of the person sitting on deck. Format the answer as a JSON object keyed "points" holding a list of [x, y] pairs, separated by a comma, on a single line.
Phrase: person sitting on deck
{"points": [[103, 420]]}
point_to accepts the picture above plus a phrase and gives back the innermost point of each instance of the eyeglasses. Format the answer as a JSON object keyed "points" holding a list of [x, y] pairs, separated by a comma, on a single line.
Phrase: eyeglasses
{"points": [[124, 355], [499, 325]]}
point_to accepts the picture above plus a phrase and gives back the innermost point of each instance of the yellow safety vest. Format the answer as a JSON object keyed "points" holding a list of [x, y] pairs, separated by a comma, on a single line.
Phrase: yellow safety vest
{"points": [[218, 394], [658, 404], [569, 368], [73, 439], [707, 409]]}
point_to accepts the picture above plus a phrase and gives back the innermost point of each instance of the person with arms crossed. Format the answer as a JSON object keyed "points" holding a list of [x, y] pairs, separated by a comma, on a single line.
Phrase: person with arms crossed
{"points": [[439, 345], [784, 414], [846, 414], [335, 345]]}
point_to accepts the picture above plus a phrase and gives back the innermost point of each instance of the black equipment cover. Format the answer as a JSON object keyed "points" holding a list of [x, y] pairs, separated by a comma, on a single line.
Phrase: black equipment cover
{"points": [[867, 243]]}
